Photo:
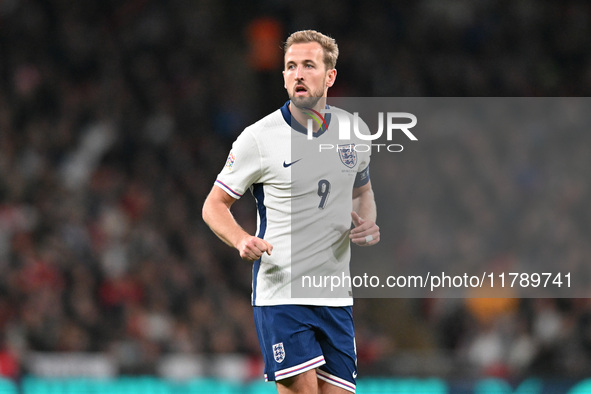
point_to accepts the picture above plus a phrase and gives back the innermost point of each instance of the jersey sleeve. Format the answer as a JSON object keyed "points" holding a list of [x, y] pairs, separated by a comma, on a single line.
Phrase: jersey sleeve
{"points": [[362, 176], [242, 168]]}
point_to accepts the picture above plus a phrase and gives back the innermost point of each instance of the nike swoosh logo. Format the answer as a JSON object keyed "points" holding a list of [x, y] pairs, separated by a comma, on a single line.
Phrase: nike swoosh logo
{"points": [[355, 375], [293, 162]]}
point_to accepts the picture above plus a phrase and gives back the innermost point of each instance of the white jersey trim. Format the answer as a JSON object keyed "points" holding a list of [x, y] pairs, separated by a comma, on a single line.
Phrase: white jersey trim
{"points": [[227, 189], [300, 368], [306, 301], [335, 380]]}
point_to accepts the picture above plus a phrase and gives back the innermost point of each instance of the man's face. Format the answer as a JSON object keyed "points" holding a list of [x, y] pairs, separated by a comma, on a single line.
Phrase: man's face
{"points": [[306, 77]]}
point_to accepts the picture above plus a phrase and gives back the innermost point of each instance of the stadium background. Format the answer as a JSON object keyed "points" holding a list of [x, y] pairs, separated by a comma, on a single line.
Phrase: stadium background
{"points": [[116, 116]]}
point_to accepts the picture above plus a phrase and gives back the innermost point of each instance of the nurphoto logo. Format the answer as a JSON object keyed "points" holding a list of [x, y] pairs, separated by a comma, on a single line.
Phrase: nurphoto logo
{"points": [[344, 121]]}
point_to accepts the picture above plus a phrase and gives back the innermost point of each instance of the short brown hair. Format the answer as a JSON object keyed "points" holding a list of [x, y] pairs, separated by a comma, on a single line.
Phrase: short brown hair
{"points": [[328, 44]]}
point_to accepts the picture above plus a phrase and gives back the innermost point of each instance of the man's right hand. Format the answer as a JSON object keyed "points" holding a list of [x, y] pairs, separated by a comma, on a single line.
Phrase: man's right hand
{"points": [[216, 213], [251, 248]]}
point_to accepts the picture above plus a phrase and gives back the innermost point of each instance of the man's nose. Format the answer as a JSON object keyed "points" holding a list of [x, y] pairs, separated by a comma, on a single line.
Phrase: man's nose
{"points": [[299, 75]]}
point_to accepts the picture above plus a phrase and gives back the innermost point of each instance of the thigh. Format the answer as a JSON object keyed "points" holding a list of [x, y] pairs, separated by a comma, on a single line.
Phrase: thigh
{"points": [[306, 383]]}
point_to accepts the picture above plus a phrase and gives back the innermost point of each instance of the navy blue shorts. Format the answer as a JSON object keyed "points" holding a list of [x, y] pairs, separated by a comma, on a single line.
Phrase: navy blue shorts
{"points": [[297, 338]]}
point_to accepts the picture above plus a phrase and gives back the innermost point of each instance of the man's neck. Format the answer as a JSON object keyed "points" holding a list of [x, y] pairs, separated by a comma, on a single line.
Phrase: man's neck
{"points": [[302, 118]]}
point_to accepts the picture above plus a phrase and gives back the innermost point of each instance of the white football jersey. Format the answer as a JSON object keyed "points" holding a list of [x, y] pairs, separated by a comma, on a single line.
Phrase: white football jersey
{"points": [[303, 189]]}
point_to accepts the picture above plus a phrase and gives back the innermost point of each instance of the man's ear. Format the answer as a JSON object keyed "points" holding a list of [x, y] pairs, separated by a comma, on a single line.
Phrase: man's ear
{"points": [[331, 77]]}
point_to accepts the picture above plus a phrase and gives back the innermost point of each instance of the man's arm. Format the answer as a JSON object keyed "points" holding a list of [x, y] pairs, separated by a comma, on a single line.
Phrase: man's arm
{"points": [[364, 217], [216, 213]]}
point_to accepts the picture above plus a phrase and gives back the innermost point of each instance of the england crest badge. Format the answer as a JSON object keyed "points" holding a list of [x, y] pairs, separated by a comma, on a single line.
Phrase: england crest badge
{"points": [[279, 352], [348, 155]]}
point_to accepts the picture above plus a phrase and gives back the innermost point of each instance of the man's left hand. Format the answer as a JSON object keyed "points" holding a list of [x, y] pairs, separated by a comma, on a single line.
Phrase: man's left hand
{"points": [[365, 232]]}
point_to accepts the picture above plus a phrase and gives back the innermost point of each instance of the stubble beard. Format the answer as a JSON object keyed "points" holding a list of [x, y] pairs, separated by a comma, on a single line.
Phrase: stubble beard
{"points": [[307, 101]]}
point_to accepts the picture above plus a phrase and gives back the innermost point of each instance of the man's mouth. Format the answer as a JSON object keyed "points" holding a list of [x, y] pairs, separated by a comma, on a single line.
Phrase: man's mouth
{"points": [[300, 90]]}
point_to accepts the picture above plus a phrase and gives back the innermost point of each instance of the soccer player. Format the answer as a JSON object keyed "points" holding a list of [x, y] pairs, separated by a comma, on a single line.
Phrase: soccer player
{"points": [[306, 202]]}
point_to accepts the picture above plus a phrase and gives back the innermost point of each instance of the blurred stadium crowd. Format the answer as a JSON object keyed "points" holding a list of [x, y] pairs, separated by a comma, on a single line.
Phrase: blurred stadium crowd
{"points": [[116, 116]]}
